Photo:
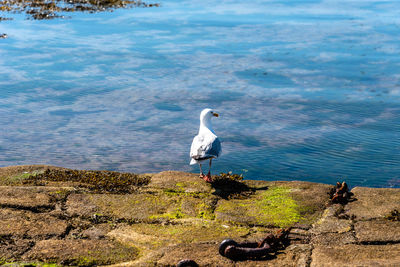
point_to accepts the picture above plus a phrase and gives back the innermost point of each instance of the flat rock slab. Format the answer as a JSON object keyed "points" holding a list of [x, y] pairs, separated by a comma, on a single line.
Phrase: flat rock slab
{"points": [[377, 231], [356, 255], [334, 239], [206, 254], [194, 231], [373, 203], [17, 223], [278, 204], [179, 181], [25, 197], [12, 175], [81, 252], [149, 207], [330, 223]]}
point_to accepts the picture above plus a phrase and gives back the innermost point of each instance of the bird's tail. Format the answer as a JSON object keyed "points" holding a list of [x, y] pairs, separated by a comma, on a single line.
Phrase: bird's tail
{"points": [[193, 161]]}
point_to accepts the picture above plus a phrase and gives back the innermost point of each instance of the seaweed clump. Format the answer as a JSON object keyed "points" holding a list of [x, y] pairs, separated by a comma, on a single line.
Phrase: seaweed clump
{"points": [[50, 9], [229, 185], [96, 181], [393, 216]]}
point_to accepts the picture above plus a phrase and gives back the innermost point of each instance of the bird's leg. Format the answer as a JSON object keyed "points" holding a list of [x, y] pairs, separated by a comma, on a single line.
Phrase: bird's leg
{"points": [[207, 178], [201, 172]]}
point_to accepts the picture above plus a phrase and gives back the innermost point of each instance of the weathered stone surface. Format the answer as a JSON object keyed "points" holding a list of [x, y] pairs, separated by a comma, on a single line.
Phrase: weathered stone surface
{"points": [[29, 224], [330, 223], [280, 204], [206, 254], [179, 216], [145, 206], [334, 239], [377, 231], [81, 252], [98, 231], [25, 197], [356, 255], [80, 205], [16, 174], [180, 181], [193, 231], [13, 248], [373, 203]]}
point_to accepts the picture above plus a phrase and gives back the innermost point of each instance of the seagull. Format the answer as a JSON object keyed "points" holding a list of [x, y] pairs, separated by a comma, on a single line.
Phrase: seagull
{"points": [[205, 145]]}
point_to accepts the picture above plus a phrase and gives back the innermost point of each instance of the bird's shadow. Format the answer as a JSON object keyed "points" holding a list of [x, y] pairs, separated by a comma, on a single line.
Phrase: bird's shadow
{"points": [[229, 188]]}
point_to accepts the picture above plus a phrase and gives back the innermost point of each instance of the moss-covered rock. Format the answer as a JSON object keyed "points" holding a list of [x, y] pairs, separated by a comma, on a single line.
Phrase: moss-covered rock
{"points": [[276, 205], [81, 252], [62, 218]]}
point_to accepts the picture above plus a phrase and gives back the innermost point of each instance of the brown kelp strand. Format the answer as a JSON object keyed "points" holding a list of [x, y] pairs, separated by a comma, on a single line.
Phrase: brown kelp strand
{"points": [[97, 181], [50, 9]]}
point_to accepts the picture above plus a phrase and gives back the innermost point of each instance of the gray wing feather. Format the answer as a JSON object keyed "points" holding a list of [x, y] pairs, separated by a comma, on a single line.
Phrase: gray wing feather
{"points": [[203, 150], [215, 148]]}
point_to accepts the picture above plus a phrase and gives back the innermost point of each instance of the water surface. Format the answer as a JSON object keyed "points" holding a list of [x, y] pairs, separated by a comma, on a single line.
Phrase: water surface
{"points": [[306, 90]]}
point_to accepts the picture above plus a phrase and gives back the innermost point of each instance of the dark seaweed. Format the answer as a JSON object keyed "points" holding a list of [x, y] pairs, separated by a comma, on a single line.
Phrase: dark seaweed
{"points": [[96, 181], [50, 9]]}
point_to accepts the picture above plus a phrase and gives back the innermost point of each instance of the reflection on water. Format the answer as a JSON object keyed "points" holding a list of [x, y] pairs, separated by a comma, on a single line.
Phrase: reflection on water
{"points": [[306, 91]]}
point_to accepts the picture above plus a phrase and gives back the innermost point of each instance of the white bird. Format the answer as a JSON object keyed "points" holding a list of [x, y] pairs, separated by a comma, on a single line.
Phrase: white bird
{"points": [[205, 145]]}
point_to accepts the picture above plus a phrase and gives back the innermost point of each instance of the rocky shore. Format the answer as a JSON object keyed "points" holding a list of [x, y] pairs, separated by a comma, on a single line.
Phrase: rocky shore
{"points": [[175, 215]]}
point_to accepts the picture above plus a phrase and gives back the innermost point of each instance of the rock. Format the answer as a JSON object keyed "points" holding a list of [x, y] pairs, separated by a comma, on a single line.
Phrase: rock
{"points": [[179, 216], [180, 181], [96, 231], [80, 205], [33, 198], [276, 204], [193, 231], [356, 255], [378, 231], [17, 223], [334, 239], [298, 255], [373, 203], [204, 254], [330, 223], [81, 252], [16, 174]]}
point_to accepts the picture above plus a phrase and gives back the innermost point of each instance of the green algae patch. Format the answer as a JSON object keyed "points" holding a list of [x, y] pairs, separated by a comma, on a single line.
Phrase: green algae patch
{"points": [[273, 207], [154, 206], [282, 209]]}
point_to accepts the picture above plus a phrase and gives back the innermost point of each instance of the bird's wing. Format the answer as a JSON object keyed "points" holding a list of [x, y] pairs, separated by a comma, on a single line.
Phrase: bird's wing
{"points": [[205, 147]]}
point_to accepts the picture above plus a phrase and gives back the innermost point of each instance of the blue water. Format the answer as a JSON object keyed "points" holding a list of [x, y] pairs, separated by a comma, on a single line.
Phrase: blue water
{"points": [[306, 90]]}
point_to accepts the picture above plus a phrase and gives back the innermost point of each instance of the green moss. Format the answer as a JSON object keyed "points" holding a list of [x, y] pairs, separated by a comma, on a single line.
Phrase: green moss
{"points": [[205, 211], [274, 207], [176, 214], [281, 208]]}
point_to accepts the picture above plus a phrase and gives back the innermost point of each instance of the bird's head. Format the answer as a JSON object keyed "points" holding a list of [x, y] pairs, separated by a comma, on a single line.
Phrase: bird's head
{"points": [[207, 114]]}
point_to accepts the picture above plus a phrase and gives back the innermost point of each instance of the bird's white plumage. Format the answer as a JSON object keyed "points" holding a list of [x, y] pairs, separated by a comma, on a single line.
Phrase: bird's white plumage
{"points": [[206, 144]]}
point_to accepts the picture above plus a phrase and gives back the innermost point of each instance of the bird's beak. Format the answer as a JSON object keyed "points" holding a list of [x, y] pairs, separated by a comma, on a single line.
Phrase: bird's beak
{"points": [[215, 114]]}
